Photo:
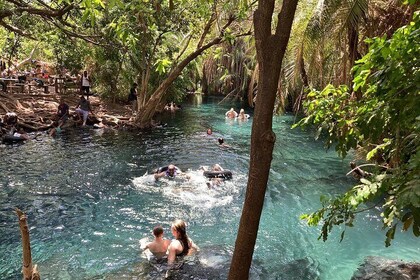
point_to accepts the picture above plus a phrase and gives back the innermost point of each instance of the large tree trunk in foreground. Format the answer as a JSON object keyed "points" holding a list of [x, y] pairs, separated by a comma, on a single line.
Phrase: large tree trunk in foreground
{"points": [[270, 52], [29, 271]]}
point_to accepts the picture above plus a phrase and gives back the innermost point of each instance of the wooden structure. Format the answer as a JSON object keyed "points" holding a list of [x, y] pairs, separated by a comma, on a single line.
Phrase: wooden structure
{"points": [[29, 271]]}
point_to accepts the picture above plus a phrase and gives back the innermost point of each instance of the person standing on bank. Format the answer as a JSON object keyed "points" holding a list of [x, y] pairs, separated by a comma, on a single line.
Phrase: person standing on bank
{"points": [[132, 97], [85, 84]]}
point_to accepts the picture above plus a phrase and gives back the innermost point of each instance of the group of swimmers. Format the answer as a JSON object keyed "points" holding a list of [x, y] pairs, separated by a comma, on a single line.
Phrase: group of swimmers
{"points": [[215, 174], [232, 114], [180, 246]]}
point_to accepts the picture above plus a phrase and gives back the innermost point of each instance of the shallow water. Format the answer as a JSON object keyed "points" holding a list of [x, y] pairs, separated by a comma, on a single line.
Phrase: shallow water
{"points": [[90, 199]]}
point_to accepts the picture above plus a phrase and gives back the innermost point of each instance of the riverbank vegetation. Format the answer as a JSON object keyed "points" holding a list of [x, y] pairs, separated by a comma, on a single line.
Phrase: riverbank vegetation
{"points": [[350, 66], [382, 124]]}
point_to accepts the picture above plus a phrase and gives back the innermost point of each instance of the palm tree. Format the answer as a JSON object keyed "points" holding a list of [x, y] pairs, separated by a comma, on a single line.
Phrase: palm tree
{"points": [[332, 40]]}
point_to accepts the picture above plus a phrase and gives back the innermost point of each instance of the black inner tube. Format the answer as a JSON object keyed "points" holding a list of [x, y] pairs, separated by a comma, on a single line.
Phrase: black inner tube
{"points": [[226, 174], [12, 139]]}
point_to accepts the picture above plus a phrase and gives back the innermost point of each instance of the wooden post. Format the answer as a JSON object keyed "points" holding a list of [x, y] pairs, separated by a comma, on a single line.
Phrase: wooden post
{"points": [[29, 271]]}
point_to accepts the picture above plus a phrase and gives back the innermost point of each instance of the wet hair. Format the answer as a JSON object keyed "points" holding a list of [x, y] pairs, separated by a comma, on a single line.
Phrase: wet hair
{"points": [[135, 85], [158, 231], [220, 141], [181, 228]]}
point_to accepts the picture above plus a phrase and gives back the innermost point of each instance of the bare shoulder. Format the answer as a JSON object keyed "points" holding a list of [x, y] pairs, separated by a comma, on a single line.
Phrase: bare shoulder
{"points": [[193, 245]]}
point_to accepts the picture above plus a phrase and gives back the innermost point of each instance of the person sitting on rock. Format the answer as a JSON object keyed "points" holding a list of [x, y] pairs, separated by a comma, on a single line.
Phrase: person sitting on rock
{"points": [[63, 111], [83, 108]]}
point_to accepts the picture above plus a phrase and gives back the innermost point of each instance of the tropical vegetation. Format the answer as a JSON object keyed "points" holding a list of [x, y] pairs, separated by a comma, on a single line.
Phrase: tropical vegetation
{"points": [[351, 66], [382, 125]]}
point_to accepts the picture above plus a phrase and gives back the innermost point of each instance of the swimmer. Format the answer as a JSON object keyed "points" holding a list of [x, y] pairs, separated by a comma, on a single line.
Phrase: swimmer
{"points": [[222, 142], [171, 172], [159, 245], [215, 181], [231, 114], [182, 245], [242, 116]]}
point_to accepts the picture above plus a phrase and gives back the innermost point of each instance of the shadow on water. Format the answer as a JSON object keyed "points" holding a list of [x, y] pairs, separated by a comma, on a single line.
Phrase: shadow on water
{"points": [[210, 263]]}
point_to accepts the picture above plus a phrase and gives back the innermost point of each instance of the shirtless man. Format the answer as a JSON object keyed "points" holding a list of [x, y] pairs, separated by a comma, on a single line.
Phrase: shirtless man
{"points": [[159, 245]]}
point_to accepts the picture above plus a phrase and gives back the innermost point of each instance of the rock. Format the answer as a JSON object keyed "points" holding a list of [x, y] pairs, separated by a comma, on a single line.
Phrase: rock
{"points": [[376, 268]]}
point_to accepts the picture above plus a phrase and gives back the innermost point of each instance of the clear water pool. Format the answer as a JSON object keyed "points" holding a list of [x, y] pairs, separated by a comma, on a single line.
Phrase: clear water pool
{"points": [[89, 200]]}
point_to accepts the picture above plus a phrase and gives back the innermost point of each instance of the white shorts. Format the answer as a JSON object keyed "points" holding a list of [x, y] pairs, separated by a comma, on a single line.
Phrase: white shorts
{"points": [[85, 113]]}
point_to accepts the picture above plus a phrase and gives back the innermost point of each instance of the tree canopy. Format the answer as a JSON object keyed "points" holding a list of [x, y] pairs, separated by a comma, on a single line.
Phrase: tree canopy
{"points": [[349, 62]]}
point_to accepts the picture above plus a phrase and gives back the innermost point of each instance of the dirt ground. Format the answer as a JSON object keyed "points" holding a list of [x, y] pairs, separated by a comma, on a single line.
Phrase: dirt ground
{"points": [[36, 110]]}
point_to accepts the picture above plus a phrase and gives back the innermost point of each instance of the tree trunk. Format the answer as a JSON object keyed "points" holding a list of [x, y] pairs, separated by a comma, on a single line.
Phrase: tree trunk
{"points": [[29, 272], [270, 52], [145, 116]]}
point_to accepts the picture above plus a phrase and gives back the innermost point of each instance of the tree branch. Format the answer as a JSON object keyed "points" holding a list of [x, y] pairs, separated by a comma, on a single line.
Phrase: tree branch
{"points": [[207, 28], [15, 30]]}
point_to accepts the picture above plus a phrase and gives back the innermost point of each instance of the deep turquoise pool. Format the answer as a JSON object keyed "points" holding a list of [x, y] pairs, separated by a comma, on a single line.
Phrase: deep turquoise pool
{"points": [[89, 202]]}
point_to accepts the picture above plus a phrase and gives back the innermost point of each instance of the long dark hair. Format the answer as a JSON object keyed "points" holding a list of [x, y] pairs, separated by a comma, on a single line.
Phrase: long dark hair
{"points": [[181, 228]]}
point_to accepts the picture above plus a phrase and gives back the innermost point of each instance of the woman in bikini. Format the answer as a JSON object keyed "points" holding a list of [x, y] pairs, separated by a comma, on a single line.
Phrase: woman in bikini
{"points": [[182, 245]]}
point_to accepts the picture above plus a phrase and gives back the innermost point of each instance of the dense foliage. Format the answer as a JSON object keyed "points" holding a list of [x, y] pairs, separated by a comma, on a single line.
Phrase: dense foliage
{"points": [[384, 124]]}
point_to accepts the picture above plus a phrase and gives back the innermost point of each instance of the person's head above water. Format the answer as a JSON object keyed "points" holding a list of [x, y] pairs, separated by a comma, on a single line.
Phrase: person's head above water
{"points": [[217, 167], [221, 141], [209, 131], [171, 170], [158, 231], [179, 229]]}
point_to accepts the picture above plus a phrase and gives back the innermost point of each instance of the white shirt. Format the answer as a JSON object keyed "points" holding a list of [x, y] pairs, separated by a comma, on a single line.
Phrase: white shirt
{"points": [[85, 81]]}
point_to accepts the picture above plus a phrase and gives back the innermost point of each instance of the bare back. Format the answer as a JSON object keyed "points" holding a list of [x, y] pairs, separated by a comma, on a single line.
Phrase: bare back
{"points": [[158, 247]]}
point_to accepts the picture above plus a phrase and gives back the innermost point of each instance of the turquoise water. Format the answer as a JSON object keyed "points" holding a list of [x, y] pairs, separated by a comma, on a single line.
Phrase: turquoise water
{"points": [[90, 199]]}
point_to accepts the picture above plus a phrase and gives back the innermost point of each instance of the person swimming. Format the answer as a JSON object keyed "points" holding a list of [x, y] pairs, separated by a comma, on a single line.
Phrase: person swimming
{"points": [[222, 142], [215, 181], [242, 115], [231, 114], [159, 245], [182, 245], [171, 172]]}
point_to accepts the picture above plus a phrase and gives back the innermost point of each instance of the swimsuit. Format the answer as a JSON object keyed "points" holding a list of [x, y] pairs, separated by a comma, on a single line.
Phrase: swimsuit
{"points": [[183, 253]]}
